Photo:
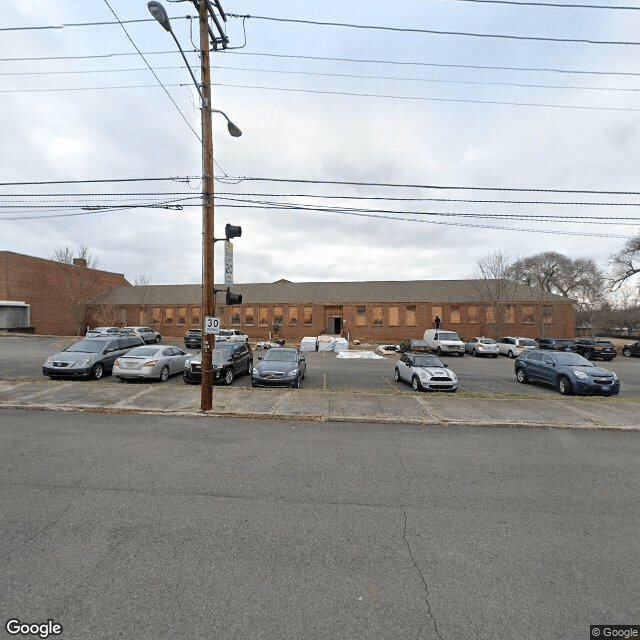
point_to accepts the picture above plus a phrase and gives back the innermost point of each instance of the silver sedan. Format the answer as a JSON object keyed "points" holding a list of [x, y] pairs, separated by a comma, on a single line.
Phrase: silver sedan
{"points": [[150, 362]]}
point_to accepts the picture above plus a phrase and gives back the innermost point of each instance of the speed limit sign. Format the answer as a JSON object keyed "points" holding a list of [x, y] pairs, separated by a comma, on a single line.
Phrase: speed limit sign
{"points": [[211, 325]]}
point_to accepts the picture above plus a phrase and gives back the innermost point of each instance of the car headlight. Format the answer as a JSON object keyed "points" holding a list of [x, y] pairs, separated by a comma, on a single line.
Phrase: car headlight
{"points": [[293, 371], [615, 376], [580, 374], [255, 372], [49, 360], [187, 364]]}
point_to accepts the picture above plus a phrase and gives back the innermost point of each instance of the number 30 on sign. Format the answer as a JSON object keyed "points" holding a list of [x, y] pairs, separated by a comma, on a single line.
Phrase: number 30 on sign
{"points": [[211, 325]]}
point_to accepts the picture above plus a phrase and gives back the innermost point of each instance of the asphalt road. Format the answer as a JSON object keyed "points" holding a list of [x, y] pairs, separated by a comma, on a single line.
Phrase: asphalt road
{"points": [[22, 357], [119, 526]]}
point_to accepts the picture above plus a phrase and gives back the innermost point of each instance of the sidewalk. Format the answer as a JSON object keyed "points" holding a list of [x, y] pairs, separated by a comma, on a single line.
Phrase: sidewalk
{"points": [[311, 404]]}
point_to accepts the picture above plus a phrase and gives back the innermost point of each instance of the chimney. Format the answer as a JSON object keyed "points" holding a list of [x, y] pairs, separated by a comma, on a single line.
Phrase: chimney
{"points": [[79, 262]]}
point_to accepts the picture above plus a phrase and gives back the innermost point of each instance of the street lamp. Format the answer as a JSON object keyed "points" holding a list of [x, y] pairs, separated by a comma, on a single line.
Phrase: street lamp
{"points": [[204, 89]]}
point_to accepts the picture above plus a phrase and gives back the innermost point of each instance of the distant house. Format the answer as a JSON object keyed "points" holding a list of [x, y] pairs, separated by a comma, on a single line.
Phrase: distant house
{"points": [[375, 310], [55, 294]]}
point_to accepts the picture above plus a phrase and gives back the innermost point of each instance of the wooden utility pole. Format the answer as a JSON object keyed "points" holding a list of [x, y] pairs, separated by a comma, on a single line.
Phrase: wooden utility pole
{"points": [[208, 280]]}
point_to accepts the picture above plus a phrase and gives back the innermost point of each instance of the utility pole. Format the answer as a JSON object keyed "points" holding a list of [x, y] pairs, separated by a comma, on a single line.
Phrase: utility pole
{"points": [[208, 280]]}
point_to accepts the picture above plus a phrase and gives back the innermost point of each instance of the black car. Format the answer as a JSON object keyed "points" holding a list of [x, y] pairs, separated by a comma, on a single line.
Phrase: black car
{"points": [[631, 350], [556, 344], [592, 349], [280, 367], [193, 339], [229, 360]]}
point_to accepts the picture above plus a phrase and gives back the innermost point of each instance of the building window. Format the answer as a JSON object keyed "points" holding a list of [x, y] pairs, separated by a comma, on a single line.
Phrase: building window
{"points": [[490, 315], [182, 315], [436, 311], [308, 316], [123, 315], [510, 314], [293, 316], [156, 315], [454, 317], [277, 314], [394, 316], [411, 317], [472, 313], [547, 313], [168, 315], [361, 316], [248, 316], [263, 316], [528, 315], [377, 316], [195, 316], [235, 316]]}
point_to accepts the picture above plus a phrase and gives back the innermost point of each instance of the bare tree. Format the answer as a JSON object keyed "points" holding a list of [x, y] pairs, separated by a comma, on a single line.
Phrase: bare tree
{"points": [[496, 290], [626, 263], [75, 284], [141, 283]]}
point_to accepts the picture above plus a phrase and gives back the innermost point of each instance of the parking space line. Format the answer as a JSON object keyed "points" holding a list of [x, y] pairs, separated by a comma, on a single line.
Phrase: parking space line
{"points": [[127, 401]]}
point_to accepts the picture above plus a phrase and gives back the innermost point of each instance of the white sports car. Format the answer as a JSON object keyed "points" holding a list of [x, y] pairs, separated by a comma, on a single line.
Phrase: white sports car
{"points": [[425, 371]]}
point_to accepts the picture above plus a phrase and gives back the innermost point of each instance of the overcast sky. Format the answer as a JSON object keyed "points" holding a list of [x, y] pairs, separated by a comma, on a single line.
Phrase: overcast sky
{"points": [[322, 103]]}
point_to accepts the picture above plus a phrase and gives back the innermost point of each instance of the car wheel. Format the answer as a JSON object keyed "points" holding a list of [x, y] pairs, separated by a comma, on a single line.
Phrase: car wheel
{"points": [[97, 372], [164, 374], [588, 355], [295, 384], [495, 355], [396, 375], [510, 354], [626, 353], [158, 338], [228, 377], [521, 376], [564, 386], [415, 384]]}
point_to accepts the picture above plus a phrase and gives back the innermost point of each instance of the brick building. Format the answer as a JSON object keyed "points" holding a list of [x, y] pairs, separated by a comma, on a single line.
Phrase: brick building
{"points": [[56, 293], [375, 311]]}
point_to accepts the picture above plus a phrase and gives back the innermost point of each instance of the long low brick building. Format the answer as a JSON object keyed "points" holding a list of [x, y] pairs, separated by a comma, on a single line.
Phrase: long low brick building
{"points": [[375, 311]]}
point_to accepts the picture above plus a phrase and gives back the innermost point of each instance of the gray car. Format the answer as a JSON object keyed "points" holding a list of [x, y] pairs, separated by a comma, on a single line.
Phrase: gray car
{"points": [[280, 367], [150, 361], [89, 357]]}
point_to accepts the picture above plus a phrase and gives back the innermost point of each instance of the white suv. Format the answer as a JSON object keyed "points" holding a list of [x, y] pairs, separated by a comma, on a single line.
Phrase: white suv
{"points": [[231, 335]]}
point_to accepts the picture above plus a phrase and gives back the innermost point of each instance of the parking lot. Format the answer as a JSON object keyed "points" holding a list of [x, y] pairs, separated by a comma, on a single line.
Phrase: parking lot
{"points": [[21, 358]]}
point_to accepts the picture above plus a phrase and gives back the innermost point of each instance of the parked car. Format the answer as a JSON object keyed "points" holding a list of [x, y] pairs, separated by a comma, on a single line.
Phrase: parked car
{"points": [[150, 362], [425, 371], [99, 332], [569, 372], [146, 333], [280, 367], [512, 346], [231, 335], [592, 349], [89, 357], [631, 350], [443, 341], [556, 344], [414, 346], [229, 360], [481, 346], [193, 339]]}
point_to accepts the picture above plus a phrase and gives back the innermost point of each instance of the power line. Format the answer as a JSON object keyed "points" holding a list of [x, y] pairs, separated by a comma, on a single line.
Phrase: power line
{"points": [[66, 25], [555, 5], [469, 34]]}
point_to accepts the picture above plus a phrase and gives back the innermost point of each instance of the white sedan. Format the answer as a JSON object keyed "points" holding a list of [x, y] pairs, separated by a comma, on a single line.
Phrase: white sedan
{"points": [[150, 362], [425, 371], [231, 335]]}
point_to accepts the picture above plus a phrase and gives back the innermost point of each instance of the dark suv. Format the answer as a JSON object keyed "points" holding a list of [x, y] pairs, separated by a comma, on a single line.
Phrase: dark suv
{"points": [[556, 344], [631, 350], [592, 349], [193, 339], [89, 357], [230, 360]]}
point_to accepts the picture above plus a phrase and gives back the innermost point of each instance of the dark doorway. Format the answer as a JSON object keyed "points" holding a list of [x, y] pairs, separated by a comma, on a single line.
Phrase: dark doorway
{"points": [[334, 325]]}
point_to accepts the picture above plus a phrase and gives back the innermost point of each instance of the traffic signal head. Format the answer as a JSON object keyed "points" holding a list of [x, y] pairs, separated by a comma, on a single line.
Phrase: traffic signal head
{"points": [[231, 231], [233, 298]]}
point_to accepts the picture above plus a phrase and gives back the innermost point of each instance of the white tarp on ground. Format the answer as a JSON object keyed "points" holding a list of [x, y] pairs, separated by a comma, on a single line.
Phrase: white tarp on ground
{"points": [[341, 344], [365, 355], [309, 344], [326, 343]]}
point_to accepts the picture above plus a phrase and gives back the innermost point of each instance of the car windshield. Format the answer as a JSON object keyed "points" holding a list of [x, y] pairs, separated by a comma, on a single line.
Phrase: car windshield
{"points": [[142, 352], [487, 341], [527, 343], [572, 360], [220, 356], [87, 346], [282, 355], [427, 361], [603, 343], [447, 335]]}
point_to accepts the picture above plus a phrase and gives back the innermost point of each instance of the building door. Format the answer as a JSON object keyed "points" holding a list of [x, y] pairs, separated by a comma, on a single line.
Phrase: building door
{"points": [[334, 325]]}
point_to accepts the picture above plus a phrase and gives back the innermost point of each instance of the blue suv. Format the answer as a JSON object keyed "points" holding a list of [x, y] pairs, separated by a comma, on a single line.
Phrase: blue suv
{"points": [[569, 372]]}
